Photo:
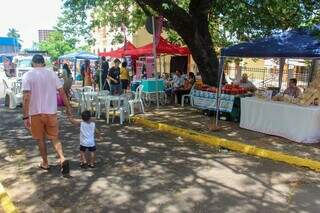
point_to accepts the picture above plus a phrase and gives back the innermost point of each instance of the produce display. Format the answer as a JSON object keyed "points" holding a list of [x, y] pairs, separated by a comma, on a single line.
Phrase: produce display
{"points": [[229, 89], [233, 89], [204, 87]]}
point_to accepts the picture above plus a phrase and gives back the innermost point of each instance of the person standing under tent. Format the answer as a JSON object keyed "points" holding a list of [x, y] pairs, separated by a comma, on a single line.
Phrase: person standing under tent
{"points": [[67, 79], [114, 77], [104, 73], [87, 74], [124, 76]]}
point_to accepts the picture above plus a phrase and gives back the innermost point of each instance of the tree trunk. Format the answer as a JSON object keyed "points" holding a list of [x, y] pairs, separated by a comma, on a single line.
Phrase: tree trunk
{"points": [[204, 56], [193, 27]]}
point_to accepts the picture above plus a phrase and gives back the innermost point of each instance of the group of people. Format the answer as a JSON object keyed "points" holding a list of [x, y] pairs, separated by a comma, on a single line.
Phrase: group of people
{"points": [[114, 79], [179, 84], [292, 90]]}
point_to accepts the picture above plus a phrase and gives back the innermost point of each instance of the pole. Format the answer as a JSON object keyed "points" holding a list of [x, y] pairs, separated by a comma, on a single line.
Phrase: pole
{"points": [[155, 58], [282, 62], [218, 98], [100, 76]]}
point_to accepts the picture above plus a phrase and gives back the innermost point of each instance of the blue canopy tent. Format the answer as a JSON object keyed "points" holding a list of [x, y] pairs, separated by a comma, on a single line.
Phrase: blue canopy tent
{"points": [[297, 43], [78, 56]]}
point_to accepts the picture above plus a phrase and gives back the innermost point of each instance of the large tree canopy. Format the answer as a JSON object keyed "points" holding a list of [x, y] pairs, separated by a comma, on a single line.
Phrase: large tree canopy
{"points": [[205, 25], [56, 45]]}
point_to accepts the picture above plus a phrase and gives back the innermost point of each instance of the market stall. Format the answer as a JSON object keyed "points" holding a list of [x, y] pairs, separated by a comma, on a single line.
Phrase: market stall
{"points": [[297, 123], [120, 52], [294, 118], [74, 57], [205, 98]]}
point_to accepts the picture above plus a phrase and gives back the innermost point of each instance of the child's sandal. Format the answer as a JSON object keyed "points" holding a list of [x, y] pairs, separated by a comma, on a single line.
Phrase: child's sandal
{"points": [[91, 165]]}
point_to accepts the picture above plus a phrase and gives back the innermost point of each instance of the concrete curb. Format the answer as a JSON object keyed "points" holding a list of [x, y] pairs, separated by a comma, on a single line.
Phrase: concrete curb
{"points": [[6, 202], [230, 144]]}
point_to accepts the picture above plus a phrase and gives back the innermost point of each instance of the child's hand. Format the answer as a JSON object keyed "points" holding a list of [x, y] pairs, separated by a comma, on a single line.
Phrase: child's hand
{"points": [[99, 136]]}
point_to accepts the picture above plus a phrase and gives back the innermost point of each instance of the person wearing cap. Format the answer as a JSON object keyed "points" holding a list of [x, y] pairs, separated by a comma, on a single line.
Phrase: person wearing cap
{"points": [[40, 86], [114, 77]]}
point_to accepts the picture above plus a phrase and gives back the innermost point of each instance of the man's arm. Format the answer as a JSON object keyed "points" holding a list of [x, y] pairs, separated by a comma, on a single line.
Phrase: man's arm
{"points": [[26, 105], [65, 101]]}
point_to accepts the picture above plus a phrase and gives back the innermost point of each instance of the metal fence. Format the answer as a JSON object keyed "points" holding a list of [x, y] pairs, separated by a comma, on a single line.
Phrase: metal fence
{"points": [[264, 77]]}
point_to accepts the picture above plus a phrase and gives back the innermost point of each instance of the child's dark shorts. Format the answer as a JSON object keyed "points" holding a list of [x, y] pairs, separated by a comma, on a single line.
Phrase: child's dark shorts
{"points": [[90, 149]]}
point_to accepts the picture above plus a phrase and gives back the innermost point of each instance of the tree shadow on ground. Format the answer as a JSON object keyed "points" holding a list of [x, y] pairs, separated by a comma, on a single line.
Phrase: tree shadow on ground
{"points": [[140, 170]]}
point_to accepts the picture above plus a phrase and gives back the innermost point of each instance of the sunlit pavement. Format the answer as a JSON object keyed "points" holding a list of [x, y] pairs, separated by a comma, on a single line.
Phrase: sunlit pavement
{"points": [[140, 170]]}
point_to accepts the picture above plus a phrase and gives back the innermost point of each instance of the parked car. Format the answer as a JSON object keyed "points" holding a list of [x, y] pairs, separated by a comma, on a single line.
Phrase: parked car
{"points": [[23, 64]]}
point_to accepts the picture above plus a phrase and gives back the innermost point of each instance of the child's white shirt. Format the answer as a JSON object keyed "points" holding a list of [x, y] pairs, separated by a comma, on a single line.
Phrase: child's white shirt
{"points": [[87, 134]]}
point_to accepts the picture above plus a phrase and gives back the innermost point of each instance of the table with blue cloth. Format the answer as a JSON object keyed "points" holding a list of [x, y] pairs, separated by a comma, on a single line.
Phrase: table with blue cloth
{"points": [[230, 105]]}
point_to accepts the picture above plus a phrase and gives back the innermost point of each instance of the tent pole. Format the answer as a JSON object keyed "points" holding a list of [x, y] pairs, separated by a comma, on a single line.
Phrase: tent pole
{"points": [[218, 98], [282, 62], [100, 76], [155, 58], [75, 69]]}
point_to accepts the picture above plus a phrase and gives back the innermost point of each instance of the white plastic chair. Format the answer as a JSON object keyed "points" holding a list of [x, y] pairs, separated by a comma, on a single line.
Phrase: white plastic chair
{"points": [[123, 109], [88, 100], [88, 89], [101, 100], [137, 100], [189, 96], [11, 98]]}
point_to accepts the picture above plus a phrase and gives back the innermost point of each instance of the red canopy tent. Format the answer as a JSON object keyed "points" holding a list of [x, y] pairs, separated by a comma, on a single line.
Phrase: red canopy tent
{"points": [[163, 47], [120, 51]]}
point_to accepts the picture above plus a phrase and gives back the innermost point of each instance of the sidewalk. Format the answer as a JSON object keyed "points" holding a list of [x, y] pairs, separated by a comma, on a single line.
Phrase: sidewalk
{"points": [[189, 118]]}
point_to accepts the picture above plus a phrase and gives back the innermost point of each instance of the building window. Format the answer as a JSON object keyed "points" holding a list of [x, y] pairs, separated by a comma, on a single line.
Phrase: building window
{"points": [[104, 50], [98, 50]]}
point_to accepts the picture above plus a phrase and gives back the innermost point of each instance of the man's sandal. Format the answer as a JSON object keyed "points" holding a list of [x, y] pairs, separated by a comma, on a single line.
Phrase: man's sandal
{"points": [[43, 168], [65, 167]]}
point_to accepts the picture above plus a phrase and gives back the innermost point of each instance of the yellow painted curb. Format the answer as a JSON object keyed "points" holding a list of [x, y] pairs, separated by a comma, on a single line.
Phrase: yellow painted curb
{"points": [[6, 202], [230, 144]]}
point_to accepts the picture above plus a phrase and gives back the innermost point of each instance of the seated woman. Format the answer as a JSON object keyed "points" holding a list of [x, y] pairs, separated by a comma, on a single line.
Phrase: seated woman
{"points": [[187, 86]]}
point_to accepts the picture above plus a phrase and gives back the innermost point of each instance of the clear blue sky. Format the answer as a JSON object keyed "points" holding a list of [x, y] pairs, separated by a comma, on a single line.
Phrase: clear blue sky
{"points": [[28, 16]]}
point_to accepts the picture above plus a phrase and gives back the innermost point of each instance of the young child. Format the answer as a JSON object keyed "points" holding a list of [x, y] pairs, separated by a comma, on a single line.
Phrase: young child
{"points": [[87, 139]]}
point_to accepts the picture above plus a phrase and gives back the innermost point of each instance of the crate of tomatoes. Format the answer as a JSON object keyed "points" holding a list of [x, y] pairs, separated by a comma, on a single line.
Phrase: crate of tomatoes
{"points": [[232, 89]]}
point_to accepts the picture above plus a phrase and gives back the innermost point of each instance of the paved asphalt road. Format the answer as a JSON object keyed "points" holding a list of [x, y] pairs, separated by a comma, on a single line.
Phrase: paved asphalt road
{"points": [[141, 170]]}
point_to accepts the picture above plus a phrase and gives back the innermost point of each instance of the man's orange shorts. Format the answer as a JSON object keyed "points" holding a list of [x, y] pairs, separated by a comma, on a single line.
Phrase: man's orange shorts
{"points": [[44, 125]]}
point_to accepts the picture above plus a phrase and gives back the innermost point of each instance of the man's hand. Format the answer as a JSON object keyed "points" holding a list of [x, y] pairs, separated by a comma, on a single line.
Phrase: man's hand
{"points": [[27, 123]]}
